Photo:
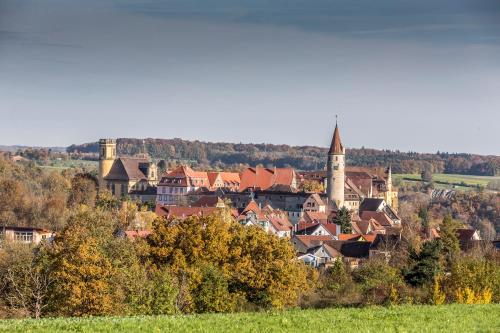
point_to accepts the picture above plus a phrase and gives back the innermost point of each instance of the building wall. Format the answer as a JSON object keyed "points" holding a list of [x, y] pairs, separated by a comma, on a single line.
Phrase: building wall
{"points": [[26, 236], [173, 195]]}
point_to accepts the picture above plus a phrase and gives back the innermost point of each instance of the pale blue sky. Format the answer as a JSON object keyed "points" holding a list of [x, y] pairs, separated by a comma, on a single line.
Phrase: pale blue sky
{"points": [[409, 75]]}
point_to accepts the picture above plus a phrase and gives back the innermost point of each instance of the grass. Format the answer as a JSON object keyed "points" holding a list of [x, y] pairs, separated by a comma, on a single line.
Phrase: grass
{"points": [[448, 181], [446, 318]]}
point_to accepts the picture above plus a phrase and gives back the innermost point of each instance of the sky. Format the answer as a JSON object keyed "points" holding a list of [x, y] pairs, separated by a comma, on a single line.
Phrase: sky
{"points": [[407, 75]]}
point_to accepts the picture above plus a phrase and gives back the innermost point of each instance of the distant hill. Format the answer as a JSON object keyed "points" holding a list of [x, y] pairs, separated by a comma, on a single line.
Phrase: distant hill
{"points": [[234, 155], [15, 148]]}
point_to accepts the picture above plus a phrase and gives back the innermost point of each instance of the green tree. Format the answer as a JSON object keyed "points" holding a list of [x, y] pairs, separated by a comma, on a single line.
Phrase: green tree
{"points": [[423, 214], [448, 235], [378, 281], [212, 294], [425, 265], [343, 219], [336, 276]]}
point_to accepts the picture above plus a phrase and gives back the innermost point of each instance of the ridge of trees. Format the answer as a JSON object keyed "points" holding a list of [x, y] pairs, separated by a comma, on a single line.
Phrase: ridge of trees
{"points": [[225, 155]]}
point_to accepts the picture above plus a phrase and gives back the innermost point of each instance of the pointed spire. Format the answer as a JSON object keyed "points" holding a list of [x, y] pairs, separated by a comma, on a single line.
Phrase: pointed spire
{"points": [[336, 147]]}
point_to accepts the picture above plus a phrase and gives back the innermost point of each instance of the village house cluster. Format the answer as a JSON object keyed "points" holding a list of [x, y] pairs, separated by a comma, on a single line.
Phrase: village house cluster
{"points": [[269, 198], [272, 199]]}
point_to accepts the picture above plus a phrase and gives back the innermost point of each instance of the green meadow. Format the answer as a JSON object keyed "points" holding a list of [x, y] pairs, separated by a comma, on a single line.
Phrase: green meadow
{"points": [[450, 180], [445, 318]]}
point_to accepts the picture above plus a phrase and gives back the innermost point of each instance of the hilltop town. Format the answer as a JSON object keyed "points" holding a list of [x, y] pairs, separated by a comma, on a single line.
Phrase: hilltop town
{"points": [[274, 199], [256, 235]]}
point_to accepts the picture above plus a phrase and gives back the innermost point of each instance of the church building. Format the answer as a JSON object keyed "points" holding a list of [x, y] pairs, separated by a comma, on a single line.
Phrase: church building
{"points": [[124, 176], [348, 186]]}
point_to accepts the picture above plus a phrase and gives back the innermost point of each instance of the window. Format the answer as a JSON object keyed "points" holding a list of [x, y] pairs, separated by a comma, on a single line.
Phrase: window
{"points": [[113, 189], [23, 236]]}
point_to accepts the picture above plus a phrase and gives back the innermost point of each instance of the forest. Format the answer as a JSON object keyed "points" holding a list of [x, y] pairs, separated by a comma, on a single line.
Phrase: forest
{"points": [[237, 155]]}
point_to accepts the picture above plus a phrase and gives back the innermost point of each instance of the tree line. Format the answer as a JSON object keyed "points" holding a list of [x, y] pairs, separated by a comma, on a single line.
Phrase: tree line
{"points": [[235, 155]]}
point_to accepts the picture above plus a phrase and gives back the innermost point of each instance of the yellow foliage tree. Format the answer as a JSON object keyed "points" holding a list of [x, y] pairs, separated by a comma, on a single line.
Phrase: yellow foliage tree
{"points": [[258, 267], [82, 271]]}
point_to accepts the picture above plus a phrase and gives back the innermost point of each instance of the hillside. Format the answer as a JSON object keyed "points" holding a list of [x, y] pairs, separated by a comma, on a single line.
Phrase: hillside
{"points": [[450, 318], [232, 155]]}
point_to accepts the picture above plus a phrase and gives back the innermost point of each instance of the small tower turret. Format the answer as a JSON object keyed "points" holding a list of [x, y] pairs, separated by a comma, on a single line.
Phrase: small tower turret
{"points": [[107, 156], [336, 170]]}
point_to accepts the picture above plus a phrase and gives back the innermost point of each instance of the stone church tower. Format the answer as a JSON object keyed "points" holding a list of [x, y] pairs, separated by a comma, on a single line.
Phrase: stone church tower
{"points": [[336, 171], [107, 156]]}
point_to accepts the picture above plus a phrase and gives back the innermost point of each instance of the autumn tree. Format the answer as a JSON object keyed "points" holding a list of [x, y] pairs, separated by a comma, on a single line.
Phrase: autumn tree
{"points": [[207, 253], [311, 186], [83, 190], [25, 278], [426, 175], [81, 268], [474, 277]]}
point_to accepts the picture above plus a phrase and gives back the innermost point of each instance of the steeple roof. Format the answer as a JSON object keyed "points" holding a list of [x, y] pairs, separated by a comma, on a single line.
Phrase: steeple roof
{"points": [[336, 147]]}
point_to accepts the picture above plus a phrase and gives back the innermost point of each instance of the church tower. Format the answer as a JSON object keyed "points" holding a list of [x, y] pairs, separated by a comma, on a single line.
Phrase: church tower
{"points": [[389, 194], [107, 156], [336, 170]]}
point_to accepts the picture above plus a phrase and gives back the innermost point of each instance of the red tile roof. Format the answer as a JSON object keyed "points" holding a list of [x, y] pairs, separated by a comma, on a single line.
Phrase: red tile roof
{"points": [[356, 237], [265, 178], [252, 206], [366, 226], [183, 212], [311, 217], [184, 176], [344, 237], [281, 223], [133, 234], [380, 217], [306, 228], [310, 241]]}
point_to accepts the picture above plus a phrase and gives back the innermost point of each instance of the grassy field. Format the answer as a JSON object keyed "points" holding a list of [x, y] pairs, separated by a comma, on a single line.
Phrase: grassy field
{"points": [[62, 165], [448, 318], [450, 180]]}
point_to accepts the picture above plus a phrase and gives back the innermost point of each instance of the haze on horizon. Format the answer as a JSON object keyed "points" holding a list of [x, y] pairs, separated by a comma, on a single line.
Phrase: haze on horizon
{"points": [[420, 76]]}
